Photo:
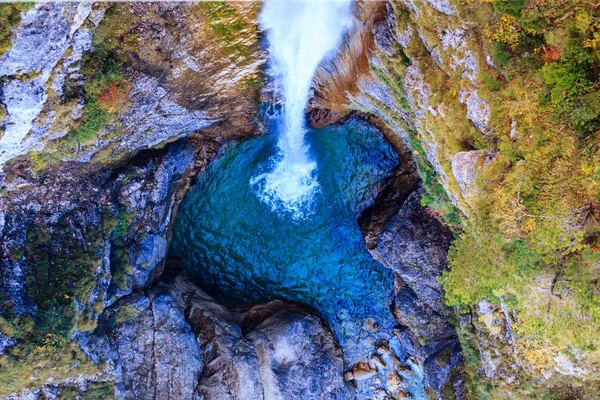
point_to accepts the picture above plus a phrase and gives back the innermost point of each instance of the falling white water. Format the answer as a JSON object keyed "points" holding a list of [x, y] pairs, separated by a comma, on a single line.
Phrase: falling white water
{"points": [[301, 34]]}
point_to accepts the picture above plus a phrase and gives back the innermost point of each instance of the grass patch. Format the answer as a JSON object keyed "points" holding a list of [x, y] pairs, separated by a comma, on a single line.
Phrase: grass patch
{"points": [[23, 367], [10, 17], [126, 313]]}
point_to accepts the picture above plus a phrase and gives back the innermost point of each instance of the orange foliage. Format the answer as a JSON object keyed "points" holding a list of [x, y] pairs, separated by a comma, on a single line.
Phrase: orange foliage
{"points": [[551, 54], [114, 97]]}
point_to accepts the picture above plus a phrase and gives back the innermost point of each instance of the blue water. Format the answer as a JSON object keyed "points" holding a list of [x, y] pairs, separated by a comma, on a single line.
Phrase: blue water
{"points": [[241, 251]]}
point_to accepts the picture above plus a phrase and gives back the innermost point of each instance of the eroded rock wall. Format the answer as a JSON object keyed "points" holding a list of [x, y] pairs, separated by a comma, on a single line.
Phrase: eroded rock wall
{"points": [[107, 114], [176, 342], [429, 71]]}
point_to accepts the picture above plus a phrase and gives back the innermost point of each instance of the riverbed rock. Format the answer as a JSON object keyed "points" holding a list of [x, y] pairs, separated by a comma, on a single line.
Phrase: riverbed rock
{"points": [[415, 244]]}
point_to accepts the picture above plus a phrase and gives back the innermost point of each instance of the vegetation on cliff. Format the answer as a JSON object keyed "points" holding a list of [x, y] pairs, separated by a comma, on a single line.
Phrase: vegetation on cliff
{"points": [[10, 16], [535, 222], [514, 84]]}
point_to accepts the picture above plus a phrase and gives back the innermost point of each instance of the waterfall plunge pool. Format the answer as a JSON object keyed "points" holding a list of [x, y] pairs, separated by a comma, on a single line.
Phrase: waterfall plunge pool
{"points": [[242, 251]]}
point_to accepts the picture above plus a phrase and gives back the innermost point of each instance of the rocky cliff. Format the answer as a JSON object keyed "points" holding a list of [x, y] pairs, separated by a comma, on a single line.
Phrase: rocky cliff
{"points": [[483, 93], [108, 112]]}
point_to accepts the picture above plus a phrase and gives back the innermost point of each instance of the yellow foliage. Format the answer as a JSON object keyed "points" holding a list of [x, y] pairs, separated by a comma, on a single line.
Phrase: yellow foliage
{"points": [[506, 31]]}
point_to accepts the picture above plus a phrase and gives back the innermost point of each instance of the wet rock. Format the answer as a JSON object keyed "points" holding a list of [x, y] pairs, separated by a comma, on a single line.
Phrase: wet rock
{"points": [[381, 394], [415, 244], [362, 370], [389, 196], [377, 361], [441, 367], [382, 348], [298, 358], [393, 381], [415, 313]]}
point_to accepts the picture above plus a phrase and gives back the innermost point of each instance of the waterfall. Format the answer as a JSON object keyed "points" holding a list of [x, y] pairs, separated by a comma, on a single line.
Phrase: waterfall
{"points": [[300, 34]]}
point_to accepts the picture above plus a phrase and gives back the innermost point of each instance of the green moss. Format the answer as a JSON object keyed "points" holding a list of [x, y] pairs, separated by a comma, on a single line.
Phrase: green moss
{"points": [[124, 220], [99, 391], [10, 17], [32, 366], [62, 271], [126, 313], [6, 327], [228, 26]]}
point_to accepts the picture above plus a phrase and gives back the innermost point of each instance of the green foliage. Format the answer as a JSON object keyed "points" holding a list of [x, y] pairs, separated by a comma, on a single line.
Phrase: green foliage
{"points": [[581, 275], [31, 366], [113, 40], [573, 84], [227, 25], [530, 237], [54, 324], [123, 221], [126, 313], [116, 36], [10, 17], [512, 7], [564, 36]]}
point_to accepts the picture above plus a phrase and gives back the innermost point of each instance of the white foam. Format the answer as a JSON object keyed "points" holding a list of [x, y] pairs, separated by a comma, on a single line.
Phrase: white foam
{"points": [[301, 34]]}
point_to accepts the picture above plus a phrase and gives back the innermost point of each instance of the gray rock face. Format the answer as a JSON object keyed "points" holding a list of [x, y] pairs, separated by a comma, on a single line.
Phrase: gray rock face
{"points": [[442, 6], [156, 354], [465, 165], [298, 358], [415, 244], [45, 34], [416, 313], [73, 208], [289, 355], [176, 342], [153, 117], [5, 342]]}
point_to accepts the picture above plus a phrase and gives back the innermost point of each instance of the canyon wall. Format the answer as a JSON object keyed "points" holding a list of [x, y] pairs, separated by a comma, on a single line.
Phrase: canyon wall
{"points": [[470, 88], [107, 114]]}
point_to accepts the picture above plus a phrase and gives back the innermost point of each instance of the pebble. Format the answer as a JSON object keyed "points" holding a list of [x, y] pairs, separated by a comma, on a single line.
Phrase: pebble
{"points": [[378, 361], [382, 348], [393, 381], [362, 370]]}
